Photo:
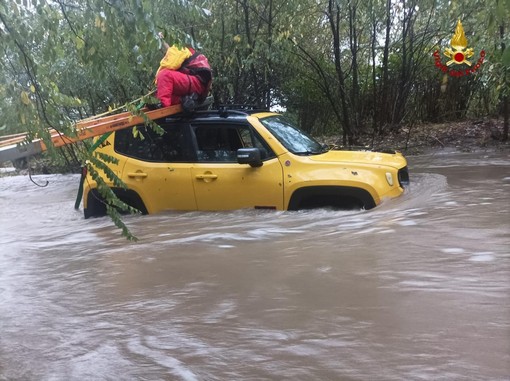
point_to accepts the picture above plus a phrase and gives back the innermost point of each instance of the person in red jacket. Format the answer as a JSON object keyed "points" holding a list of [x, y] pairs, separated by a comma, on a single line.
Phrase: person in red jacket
{"points": [[172, 81]]}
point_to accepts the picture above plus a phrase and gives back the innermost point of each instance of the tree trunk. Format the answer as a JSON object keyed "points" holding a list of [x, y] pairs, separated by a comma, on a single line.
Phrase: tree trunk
{"points": [[257, 95], [506, 85], [384, 91], [374, 74], [334, 21], [353, 40], [268, 67], [402, 97]]}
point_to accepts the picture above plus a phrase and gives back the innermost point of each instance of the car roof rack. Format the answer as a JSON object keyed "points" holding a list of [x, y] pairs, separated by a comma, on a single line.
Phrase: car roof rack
{"points": [[224, 110]]}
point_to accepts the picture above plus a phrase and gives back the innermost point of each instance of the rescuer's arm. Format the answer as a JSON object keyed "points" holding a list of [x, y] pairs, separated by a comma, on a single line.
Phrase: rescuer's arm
{"points": [[164, 44]]}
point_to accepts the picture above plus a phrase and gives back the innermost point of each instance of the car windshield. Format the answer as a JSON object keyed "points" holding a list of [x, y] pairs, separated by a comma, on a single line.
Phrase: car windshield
{"points": [[295, 140]]}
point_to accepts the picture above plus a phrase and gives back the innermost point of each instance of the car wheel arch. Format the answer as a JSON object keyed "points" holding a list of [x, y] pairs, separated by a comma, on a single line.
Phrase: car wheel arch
{"points": [[97, 208]]}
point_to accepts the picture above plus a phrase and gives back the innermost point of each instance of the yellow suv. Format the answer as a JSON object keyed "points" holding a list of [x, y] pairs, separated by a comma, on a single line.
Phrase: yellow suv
{"points": [[226, 159]]}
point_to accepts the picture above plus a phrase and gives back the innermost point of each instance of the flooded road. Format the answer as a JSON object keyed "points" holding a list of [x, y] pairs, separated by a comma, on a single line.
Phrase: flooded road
{"points": [[415, 289]]}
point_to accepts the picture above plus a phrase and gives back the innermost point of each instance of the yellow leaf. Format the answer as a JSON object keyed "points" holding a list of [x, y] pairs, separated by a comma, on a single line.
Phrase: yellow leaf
{"points": [[79, 43], [24, 98], [32, 88]]}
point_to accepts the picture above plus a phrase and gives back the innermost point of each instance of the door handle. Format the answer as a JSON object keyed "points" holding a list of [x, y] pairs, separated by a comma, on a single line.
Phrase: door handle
{"points": [[206, 176], [140, 175]]}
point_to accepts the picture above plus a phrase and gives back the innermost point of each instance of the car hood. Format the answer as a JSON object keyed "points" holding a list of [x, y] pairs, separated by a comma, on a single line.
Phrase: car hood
{"points": [[395, 160]]}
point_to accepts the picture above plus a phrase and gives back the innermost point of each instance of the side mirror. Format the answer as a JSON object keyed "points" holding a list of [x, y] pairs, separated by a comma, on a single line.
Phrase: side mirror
{"points": [[249, 156]]}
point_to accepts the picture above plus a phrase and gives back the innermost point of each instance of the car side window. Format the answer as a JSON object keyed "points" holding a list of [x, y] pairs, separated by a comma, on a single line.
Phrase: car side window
{"points": [[252, 140], [219, 143], [148, 145]]}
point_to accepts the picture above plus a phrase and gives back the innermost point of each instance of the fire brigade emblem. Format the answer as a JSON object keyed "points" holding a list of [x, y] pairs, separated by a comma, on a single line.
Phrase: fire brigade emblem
{"points": [[459, 53]]}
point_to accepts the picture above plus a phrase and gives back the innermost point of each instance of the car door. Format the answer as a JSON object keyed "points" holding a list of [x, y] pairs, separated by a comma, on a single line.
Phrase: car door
{"points": [[221, 183], [159, 167]]}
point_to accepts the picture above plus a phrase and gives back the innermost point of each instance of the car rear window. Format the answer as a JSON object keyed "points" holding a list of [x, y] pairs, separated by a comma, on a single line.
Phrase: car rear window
{"points": [[148, 145]]}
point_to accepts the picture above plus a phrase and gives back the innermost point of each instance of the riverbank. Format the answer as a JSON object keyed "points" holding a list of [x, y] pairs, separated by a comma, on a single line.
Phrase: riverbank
{"points": [[39, 164], [465, 136]]}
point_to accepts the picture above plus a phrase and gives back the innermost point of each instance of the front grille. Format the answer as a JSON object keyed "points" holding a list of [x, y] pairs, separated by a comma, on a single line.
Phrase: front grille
{"points": [[403, 177]]}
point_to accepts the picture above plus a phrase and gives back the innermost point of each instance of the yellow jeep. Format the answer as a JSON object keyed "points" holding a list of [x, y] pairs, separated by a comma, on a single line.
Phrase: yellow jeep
{"points": [[226, 159]]}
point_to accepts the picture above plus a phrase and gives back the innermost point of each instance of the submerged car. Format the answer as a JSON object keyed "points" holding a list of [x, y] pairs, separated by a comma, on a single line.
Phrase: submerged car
{"points": [[231, 159]]}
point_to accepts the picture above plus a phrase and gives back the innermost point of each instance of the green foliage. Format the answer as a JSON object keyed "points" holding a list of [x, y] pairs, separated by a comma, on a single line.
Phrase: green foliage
{"points": [[117, 220], [248, 47], [136, 111], [112, 202], [67, 60]]}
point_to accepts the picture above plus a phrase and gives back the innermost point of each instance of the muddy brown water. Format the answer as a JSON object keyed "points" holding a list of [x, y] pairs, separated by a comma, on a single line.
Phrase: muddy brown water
{"points": [[415, 289]]}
